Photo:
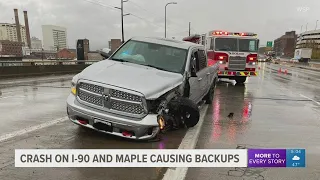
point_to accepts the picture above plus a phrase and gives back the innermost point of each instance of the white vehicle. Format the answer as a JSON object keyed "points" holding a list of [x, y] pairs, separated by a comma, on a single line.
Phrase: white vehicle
{"points": [[236, 52], [303, 54]]}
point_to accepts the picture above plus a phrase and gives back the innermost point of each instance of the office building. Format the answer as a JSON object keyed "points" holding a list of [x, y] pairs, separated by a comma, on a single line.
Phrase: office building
{"points": [[36, 43], [114, 44], [54, 37], [83, 48], [9, 32], [285, 45]]}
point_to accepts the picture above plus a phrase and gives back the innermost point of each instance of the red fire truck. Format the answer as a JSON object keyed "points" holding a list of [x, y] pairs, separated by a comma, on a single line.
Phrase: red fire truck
{"points": [[236, 52]]}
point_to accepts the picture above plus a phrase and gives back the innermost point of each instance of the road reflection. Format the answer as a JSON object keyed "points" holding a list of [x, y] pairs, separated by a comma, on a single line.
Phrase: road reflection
{"points": [[231, 112]]}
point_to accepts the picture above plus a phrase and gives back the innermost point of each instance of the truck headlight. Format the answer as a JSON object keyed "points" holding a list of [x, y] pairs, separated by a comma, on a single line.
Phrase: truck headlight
{"points": [[74, 85]]}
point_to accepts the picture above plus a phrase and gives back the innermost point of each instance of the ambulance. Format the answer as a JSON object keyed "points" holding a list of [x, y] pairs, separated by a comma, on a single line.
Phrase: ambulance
{"points": [[236, 52]]}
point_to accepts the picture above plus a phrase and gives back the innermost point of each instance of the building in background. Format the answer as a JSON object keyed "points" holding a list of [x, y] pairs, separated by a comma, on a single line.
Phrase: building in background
{"points": [[310, 39], [36, 44], [114, 44], [9, 32], [67, 54], [94, 55], [83, 48], [285, 45], [54, 37], [10, 48]]}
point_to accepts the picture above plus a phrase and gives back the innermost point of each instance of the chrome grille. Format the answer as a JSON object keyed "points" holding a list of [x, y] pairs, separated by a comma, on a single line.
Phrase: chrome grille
{"points": [[237, 63], [126, 107], [125, 95], [120, 101], [90, 98], [91, 87]]}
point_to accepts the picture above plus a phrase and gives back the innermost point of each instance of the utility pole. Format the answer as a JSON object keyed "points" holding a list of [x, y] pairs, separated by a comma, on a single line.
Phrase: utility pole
{"points": [[189, 28], [122, 30]]}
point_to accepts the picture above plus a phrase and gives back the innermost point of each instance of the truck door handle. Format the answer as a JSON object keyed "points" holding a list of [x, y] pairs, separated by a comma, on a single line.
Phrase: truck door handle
{"points": [[199, 79]]}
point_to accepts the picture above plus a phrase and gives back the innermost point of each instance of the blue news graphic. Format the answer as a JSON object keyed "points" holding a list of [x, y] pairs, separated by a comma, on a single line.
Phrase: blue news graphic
{"points": [[296, 158]]}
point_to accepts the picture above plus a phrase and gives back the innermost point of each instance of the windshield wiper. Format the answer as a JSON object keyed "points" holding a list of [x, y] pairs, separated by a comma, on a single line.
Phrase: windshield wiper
{"points": [[155, 67], [120, 60]]}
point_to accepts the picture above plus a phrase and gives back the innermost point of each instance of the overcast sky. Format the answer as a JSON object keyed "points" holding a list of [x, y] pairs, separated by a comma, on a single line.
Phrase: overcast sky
{"points": [[98, 22]]}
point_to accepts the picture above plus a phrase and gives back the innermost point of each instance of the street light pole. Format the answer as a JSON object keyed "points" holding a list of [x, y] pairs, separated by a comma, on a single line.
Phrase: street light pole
{"points": [[307, 27], [122, 30], [165, 18]]}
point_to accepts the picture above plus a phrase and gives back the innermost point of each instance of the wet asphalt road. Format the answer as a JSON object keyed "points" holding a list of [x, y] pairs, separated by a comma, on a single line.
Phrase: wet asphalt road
{"points": [[272, 111]]}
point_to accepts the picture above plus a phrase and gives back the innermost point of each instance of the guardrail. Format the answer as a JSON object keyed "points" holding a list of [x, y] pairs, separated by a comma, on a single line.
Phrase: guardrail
{"points": [[46, 62], [12, 69]]}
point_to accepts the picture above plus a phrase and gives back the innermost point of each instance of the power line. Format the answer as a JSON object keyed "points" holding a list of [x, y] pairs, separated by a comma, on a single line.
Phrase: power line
{"points": [[117, 9], [161, 17]]}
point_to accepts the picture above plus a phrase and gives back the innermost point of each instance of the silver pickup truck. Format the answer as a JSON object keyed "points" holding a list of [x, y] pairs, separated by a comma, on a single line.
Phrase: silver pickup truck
{"points": [[148, 84]]}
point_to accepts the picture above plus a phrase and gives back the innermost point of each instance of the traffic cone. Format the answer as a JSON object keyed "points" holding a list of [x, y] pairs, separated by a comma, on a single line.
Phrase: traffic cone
{"points": [[286, 71]]}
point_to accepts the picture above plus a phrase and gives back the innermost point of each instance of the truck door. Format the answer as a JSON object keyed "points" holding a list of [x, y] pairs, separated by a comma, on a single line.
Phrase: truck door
{"points": [[195, 82], [198, 83], [203, 71]]}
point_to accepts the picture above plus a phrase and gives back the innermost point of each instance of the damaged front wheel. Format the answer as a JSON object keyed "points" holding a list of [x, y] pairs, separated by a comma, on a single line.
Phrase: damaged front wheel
{"points": [[187, 111]]}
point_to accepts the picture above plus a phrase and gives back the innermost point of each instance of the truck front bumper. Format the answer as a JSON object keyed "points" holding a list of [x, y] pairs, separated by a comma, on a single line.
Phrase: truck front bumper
{"points": [[236, 73], [145, 128]]}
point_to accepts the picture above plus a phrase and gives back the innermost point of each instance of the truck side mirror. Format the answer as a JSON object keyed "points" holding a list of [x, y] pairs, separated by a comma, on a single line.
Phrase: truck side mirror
{"points": [[193, 68]]}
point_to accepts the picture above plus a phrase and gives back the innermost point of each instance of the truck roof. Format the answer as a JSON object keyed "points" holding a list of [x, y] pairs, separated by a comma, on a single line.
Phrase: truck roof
{"points": [[167, 42]]}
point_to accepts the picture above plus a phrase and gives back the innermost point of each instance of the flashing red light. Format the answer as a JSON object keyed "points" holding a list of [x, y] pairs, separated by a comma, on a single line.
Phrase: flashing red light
{"points": [[252, 58], [221, 56]]}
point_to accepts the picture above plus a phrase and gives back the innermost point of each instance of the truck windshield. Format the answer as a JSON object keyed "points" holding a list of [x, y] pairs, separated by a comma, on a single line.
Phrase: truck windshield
{"points": [[153, 55], [238, 45]]}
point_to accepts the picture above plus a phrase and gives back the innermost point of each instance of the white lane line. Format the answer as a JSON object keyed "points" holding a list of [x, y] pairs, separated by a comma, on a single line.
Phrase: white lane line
{"points": [[32, 128], [188, 142], [310, 99]]}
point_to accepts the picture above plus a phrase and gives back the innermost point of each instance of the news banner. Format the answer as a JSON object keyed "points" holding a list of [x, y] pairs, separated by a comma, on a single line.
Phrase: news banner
{"points": [[160, 158]]}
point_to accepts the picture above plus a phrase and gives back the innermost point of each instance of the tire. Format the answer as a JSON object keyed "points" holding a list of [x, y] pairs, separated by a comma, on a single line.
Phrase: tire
{"points": [[241, 80], [210, 95], [187, 110]]}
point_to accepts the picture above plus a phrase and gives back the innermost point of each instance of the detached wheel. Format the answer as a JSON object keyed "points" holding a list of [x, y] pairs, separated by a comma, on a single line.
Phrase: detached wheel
{"points": [[241, 80], [210, 95], [187, 111]]}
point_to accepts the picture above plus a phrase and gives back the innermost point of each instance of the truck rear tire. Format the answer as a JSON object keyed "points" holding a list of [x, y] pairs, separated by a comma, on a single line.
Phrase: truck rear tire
{"points": [[241, 80]]}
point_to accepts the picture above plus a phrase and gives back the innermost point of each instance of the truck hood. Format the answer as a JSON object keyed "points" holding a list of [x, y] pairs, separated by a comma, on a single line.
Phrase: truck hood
{"points": [[149, 81]]}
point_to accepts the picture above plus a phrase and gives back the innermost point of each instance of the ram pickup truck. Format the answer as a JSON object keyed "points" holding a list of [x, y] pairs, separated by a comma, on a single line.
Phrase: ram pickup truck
{"points": [[148, 83]]}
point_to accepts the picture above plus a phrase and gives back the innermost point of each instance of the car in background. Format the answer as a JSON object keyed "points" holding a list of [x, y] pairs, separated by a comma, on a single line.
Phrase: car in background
{"points": [[262, 58]]}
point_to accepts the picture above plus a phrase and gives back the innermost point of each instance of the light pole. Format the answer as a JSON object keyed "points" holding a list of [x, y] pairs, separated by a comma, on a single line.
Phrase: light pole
{"points": [[307, 27], [165, 18], [122, 1], [316, 25]]}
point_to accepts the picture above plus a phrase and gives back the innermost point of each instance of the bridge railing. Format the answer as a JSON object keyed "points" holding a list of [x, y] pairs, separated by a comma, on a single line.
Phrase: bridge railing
{"points": [[46, 62]]}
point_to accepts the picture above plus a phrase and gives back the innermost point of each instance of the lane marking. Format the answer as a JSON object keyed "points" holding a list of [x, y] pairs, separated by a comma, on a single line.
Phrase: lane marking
{"points": [[188, 142], [310, 99], [32, 128]]}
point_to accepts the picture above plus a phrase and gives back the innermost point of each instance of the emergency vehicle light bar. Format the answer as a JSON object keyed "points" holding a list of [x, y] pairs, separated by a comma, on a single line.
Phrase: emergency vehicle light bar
{"points": [[225, 33]]}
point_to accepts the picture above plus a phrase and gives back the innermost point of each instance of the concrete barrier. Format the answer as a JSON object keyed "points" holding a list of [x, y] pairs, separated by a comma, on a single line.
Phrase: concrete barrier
{"points": [[23, 71]]}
